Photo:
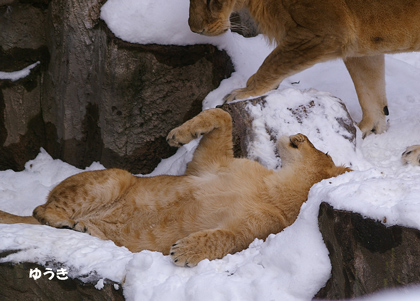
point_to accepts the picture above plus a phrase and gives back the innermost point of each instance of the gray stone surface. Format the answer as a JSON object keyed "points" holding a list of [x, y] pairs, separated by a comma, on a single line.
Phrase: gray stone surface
{"points": [[366, 256]]}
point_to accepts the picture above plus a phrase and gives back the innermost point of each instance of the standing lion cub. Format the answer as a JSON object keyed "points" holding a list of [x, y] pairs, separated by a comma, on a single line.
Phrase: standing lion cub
{"points": [[219, 206], [312, 31]]}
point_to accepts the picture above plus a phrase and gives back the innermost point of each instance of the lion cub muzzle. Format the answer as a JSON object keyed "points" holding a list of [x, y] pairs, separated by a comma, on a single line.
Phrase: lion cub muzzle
{"points": [[210, 17], [214, 29]]}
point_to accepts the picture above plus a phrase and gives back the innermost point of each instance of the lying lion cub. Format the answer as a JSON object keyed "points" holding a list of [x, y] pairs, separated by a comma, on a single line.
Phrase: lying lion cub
{"points": [[312, 31], [219, 206]]}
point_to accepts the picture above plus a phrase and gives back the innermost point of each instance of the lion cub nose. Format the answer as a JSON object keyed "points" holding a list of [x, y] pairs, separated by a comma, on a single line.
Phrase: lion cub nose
{"points": [[199, 31], [196, 26]]}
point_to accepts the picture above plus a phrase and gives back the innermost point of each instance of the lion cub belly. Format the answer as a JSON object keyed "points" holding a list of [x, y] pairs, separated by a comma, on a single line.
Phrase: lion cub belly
{"points": [[167, 209], [162, 210], [227, 196]]}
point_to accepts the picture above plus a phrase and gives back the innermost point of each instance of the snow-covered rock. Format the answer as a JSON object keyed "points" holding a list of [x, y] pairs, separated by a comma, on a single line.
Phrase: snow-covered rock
{"points": [[323, 118]]}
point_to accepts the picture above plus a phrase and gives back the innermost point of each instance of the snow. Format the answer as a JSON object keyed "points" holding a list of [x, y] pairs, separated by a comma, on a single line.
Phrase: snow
{"points": [[14, 76], [291, 265], [410, 293]]}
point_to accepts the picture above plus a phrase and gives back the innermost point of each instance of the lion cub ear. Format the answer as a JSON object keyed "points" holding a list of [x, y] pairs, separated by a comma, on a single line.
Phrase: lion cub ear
{"points": [[339, 170]]}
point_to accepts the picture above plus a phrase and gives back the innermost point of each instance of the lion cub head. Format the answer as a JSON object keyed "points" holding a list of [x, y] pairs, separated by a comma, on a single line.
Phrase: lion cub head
{"points": [[297, 150], [210, 17]]}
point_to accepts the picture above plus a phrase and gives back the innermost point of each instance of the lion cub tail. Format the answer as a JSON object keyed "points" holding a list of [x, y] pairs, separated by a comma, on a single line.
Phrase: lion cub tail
{"points": [[7, 218]]}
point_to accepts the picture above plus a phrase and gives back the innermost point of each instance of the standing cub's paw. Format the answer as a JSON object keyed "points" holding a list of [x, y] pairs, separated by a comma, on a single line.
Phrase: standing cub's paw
{"points": [[376, 124], [411, 155], [237, 94], [232, 96]]}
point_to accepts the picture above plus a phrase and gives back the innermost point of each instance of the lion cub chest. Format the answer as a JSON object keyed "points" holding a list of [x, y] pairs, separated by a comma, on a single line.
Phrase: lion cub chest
{"points": [[229, 193]]}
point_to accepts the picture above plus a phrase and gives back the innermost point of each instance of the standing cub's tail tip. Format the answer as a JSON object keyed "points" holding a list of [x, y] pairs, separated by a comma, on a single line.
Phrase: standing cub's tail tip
{"points": [[8, 218]]}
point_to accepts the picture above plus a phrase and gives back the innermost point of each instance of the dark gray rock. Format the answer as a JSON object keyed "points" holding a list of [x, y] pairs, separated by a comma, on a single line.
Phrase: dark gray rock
{"points": [[16, 285], [366, 256]]}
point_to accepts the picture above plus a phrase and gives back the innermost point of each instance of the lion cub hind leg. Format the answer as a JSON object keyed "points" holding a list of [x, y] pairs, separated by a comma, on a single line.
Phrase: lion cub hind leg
{"points": [[78, 198], [57, 217], [412, 155], [207, 244]]}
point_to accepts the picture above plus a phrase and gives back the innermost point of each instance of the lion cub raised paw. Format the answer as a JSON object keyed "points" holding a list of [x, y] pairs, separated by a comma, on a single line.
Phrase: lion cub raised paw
{"points": [[181, 135], [190, 130], [202, 124]]}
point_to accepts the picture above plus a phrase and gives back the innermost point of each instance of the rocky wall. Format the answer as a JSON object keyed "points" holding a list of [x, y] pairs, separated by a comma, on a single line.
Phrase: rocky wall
{"points": [[94, 97]]}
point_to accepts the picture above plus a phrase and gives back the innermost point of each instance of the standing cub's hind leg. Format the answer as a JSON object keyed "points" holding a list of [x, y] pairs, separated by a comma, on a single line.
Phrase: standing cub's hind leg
{"points": [[368, 75], [412, 155]]}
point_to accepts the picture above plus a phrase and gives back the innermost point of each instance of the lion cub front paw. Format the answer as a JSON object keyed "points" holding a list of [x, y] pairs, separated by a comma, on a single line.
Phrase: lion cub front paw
{"points": [[181, 135], [411, 155], [206, 244], [185, 253], [190, 250]]}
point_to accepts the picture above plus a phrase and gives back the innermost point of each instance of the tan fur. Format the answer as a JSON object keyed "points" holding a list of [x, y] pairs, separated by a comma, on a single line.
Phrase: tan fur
{"points": [[219, 206], [308, 32], [412, 155]]}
